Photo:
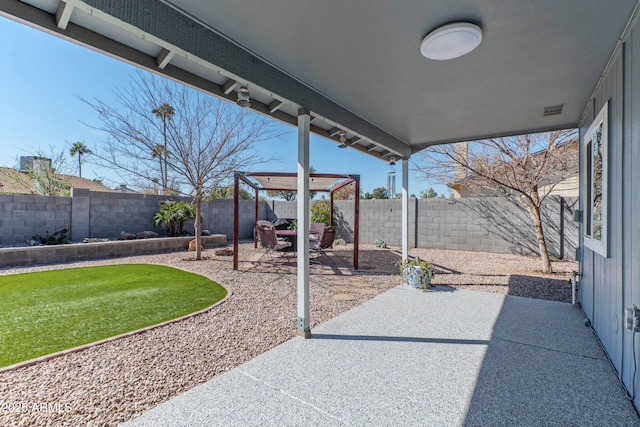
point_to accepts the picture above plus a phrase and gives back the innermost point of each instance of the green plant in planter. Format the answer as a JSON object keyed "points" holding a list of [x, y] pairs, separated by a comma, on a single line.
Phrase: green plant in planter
{"points": [[293, 225], [416, 272]]}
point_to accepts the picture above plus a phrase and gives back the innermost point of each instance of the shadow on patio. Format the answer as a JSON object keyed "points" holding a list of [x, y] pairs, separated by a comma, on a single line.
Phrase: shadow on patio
{"points": [[446, 357]]}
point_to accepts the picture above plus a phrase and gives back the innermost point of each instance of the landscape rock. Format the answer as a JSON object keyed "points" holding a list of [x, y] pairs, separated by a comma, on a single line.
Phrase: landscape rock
{"points": [[147, 235], [224, 252], [126, 236], [94, 240], [192, 245], [206, 233]]}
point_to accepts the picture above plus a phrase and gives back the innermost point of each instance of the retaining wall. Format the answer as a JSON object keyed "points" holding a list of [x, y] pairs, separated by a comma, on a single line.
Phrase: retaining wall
{"points": [[83, 251]]}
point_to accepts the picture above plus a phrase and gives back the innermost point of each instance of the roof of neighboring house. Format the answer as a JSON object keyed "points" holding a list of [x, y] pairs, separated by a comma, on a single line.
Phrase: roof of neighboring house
{"points": [[571, 145], [12, 181]]}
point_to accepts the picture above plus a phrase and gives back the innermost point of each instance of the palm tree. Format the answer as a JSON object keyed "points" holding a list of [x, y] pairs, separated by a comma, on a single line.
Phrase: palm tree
{"points": [[79, 149], [164, 111]]}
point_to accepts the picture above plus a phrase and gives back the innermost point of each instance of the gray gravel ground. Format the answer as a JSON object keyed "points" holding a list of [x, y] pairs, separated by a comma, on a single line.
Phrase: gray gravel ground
{"points": [[114, 382]]}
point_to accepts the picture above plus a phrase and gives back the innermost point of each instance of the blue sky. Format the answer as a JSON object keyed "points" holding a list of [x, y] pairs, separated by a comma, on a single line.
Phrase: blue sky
{"points": [[42, 77]]}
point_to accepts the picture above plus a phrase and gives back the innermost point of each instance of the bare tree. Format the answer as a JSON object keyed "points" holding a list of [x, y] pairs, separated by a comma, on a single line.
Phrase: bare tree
{"points": [[207, 138], [525, 169], [46, 175]]}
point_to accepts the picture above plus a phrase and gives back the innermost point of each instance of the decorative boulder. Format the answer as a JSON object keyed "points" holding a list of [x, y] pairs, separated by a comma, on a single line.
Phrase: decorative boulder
{"points": [[206, 233], [126, 236], [192, 245], [147, 235], [94, 240]]}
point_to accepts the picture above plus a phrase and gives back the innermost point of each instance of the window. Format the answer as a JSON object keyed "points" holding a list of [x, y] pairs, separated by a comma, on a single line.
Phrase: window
{"points": [[595, 152]]}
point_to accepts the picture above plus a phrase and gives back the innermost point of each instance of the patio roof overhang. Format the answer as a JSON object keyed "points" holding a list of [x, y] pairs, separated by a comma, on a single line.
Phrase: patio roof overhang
{"points": [[359, 69]]}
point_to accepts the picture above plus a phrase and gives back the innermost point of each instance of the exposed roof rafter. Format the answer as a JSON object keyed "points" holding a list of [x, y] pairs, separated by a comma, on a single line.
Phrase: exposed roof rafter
{"points": [[164, 57], [229, 86], [63, 14], [274, 106]]}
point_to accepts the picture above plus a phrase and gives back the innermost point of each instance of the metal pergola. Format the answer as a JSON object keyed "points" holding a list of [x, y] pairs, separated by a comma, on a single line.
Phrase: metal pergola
{"points": [[285, 181]]}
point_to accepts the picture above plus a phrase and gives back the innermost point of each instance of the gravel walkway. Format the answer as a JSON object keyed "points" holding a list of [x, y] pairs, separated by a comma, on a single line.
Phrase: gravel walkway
{"points": [[114, 382]]}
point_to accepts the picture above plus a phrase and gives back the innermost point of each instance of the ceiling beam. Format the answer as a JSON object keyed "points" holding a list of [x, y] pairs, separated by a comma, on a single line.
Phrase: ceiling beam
{"points": [[229, 86], [274, 106], [164, 57], [334, 131], [63, 14]]}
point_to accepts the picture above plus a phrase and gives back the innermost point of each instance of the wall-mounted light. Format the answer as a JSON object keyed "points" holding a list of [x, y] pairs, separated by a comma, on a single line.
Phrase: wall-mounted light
{"points": [[392, 161], [451, 41], [343, 139], [243, 97]]}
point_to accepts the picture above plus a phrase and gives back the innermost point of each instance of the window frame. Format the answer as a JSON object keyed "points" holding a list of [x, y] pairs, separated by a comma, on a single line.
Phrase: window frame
{"points": [[600, 245]]}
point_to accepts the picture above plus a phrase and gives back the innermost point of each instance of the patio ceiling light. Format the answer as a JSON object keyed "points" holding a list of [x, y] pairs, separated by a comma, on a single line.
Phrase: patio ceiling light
{"points": [[243, 97], [451, 41], [343, 139]]}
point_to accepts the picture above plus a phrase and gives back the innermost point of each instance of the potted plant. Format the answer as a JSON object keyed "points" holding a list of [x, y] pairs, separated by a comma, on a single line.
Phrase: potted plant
{"points": [[416, 273]]}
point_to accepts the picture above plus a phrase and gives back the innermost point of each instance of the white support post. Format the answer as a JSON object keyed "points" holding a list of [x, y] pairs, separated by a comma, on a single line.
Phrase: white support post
{"points": [[304, 120], [405, 208]]}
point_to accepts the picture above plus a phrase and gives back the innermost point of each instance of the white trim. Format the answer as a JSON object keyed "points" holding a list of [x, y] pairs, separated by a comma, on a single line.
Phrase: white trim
{"points": [[303, 223], [405, 208], [599, 246]]}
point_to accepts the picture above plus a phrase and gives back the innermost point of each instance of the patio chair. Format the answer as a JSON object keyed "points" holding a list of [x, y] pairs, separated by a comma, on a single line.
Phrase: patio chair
{"points": [[325, 241], [258, 224], [315, 230], [270, 240]]}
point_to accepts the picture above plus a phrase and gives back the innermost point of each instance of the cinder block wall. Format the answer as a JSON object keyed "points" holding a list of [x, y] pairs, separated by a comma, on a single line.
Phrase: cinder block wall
{"points": [[106, 215], [283, 209], [474, 224], [22, 216], [112, 213]]}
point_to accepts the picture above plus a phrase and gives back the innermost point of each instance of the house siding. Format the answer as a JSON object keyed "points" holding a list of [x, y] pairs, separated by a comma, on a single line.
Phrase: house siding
{"points": [[610, 284]]}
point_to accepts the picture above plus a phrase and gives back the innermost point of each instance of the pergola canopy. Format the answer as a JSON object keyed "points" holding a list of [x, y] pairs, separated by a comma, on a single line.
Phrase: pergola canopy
{"points": [[284, 181]]}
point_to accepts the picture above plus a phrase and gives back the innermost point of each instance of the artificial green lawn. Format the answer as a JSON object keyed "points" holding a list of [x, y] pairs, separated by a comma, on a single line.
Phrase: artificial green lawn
{"points": [[41, 313]]}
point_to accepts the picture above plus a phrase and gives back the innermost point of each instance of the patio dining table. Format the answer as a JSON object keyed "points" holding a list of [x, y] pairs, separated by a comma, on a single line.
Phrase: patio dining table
{"points": [[291, 235]]}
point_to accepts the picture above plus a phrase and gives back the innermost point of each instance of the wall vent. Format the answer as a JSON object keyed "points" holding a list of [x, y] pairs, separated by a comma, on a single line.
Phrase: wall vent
{"points": [[553, 110]]}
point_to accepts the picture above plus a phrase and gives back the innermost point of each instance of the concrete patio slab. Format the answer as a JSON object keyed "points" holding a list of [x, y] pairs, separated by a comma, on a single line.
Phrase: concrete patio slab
{"points": [[408, 357]]}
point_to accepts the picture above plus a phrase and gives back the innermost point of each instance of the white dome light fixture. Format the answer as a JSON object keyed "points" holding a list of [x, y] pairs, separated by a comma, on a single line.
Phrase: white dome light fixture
{"points": [[451, 41]]}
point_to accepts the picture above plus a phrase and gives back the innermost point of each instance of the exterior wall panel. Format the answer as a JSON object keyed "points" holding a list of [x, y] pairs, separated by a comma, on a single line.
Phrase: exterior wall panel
{"points": [[609, 285]]}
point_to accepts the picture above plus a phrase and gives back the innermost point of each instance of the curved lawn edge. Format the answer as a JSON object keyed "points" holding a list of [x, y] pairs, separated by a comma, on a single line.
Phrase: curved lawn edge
{"points": [[115, 337]]}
